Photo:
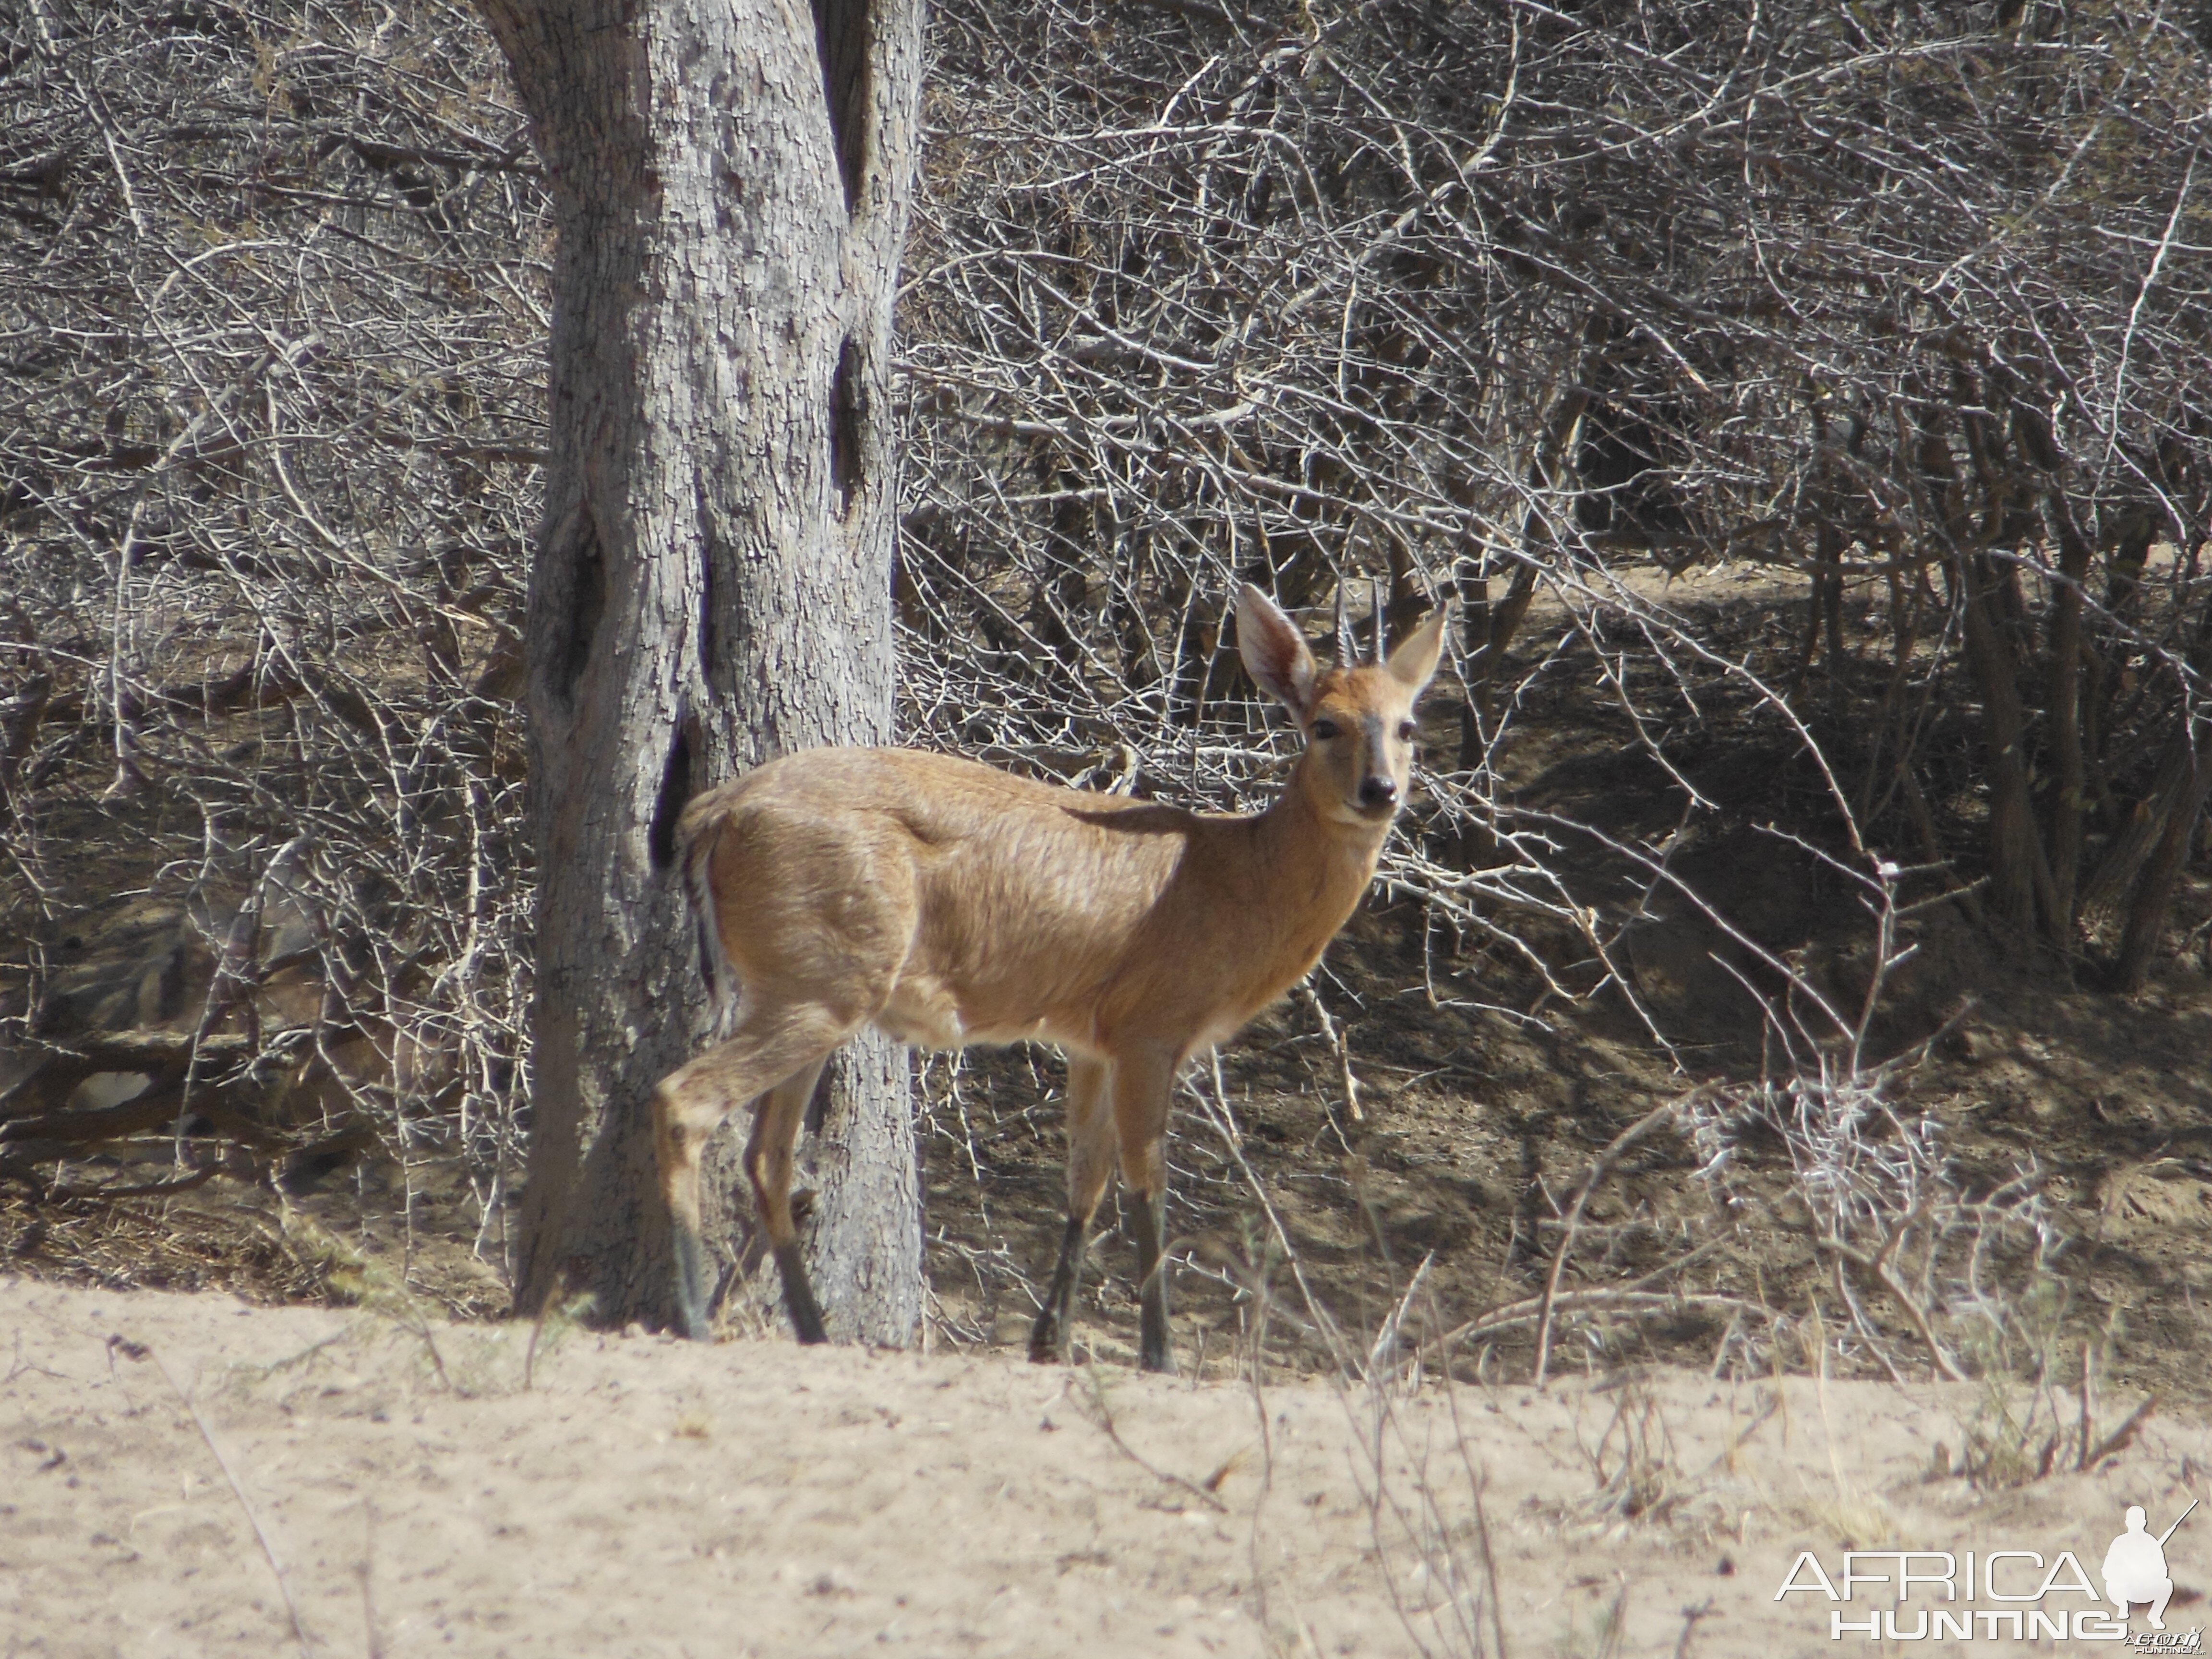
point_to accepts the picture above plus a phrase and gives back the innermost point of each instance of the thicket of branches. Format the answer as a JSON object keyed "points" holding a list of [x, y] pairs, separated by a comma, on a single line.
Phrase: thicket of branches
{"points": [[1514, 302], [1514, 299], [272, 289]]}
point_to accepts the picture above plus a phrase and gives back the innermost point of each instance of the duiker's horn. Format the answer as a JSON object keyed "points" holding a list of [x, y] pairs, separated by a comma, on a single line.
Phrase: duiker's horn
{"points": [[1375, 593], [1346, 656]]}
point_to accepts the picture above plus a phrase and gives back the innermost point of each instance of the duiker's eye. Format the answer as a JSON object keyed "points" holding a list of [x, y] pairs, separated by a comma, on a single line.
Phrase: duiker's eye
{"points": [[1406, 730], [1323, 731]]}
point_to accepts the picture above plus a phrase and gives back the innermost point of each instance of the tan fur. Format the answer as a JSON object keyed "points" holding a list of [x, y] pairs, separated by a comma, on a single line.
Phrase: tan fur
{"points": [[949, 903]]}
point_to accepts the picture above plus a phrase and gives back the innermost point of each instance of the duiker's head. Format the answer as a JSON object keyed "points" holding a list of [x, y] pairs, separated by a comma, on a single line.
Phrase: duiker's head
{"points": [[1358, 717]]}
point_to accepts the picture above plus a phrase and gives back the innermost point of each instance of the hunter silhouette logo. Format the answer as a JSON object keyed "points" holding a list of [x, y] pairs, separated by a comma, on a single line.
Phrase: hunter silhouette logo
{"points": [[2135, 1566]]}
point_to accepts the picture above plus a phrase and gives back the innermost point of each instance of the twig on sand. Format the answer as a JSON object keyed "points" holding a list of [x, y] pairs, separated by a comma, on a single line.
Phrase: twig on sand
{"points": [[2119, 1438], [143, 1351], [1878, 1268], [1625, 1298], [1690, 1618], [1601, 1166], [1105, 1420]]}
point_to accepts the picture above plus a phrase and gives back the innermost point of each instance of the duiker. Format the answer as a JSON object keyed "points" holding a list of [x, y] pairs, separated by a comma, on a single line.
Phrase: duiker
{"points": [[949, 903]]}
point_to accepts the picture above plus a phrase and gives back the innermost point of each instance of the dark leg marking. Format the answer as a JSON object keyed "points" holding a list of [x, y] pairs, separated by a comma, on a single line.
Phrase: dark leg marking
{"points": [[691, 1284], [1152, 1353], [798, 1295], [1055, 1320]]}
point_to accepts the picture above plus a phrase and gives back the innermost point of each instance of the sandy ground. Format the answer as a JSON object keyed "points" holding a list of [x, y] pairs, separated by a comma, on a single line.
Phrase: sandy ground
{"points": [[644, 1496]]}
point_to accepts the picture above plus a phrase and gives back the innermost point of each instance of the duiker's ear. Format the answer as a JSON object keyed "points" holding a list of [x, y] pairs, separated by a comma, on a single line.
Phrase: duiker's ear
{"points": [[1274, 652], [1415, 660]]}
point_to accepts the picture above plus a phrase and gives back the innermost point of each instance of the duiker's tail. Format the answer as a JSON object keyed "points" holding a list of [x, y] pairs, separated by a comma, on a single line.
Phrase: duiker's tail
{"points": [[714, 967]]}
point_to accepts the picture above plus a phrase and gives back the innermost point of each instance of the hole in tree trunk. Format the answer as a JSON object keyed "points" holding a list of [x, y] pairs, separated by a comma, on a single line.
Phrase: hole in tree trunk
{"points": [[585, 602], [675, 791], [848, 410], [842, 35]]}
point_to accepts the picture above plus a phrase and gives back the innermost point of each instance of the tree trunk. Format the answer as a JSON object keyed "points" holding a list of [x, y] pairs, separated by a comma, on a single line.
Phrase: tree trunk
{"points": [[2153, 899], [2146, 826], [712, 582], [2019, 879], [2164, 824], [2062, 708]]}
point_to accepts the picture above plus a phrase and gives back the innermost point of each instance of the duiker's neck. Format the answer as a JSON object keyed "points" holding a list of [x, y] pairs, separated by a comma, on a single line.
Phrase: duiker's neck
{"points": [[1312, 850]]}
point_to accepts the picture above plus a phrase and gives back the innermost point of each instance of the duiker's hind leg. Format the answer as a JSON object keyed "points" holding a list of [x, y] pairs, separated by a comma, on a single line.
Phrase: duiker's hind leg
{"points": [[768, 1157], [768, 1052], [1089, 1167]]}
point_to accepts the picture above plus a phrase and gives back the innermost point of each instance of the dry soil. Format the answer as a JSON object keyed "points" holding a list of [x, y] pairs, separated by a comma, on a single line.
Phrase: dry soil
{"points": [[188, 1476]]}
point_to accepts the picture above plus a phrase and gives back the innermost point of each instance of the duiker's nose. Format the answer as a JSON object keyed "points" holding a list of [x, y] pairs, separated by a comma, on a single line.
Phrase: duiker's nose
{"points": [[1376, 790]]}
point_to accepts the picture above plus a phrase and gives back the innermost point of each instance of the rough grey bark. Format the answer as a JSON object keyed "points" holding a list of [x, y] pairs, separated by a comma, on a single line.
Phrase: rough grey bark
{"points": [[712, 584]]}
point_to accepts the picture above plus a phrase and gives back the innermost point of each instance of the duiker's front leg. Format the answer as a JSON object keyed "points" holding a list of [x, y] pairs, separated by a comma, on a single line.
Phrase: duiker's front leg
{"points": [[772, 1050], [1089, 1167], [681, 1123], [1152, 1352], [1142, 1089]]}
